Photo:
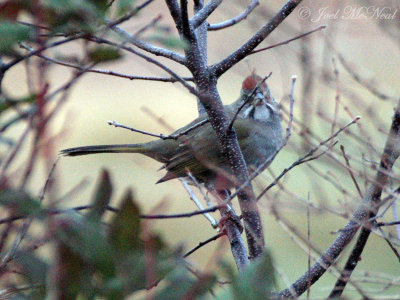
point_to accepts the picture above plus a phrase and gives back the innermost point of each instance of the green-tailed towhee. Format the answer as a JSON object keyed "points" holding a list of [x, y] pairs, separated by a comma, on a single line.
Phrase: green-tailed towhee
{"points": [[258, 129]]}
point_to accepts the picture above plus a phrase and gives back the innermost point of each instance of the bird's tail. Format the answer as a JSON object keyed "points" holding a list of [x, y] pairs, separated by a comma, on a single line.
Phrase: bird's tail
{"points": [[127, 148]]}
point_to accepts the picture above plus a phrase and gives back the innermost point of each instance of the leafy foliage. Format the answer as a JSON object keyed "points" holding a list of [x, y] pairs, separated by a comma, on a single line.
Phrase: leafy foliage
{"points": [[12, 33], [104, 54], [113, 260], [74, 15], [256, 282]]}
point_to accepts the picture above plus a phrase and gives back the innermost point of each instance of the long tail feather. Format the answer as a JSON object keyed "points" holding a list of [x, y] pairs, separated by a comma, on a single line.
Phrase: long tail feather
{"points": [[127, 148]]}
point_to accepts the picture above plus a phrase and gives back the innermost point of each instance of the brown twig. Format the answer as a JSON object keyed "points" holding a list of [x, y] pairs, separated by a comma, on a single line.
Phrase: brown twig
{"points": [[240, 17], [307, 157], [161, 136], [365, 211], [289, 40], [351, 171], [201, 244]]}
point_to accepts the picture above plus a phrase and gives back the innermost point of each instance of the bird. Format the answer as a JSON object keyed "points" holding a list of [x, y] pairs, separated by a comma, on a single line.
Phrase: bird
{"points": [[196, 150]]}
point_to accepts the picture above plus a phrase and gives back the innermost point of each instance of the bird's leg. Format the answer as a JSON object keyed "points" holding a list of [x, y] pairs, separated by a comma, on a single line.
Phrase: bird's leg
{"points": [[228, 213]]}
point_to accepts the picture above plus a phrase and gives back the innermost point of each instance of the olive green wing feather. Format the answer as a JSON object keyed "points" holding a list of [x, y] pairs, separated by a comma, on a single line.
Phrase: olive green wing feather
{"points": [[200, 153]]}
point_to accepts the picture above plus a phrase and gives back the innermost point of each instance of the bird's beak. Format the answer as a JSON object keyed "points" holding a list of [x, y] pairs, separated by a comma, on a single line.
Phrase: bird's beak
{"points": [[259, 99]]}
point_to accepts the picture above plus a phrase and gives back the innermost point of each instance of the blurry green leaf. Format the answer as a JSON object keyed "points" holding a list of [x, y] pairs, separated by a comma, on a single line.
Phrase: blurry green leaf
{"points": [[123, 6], [141, 264], [182, 285], [102, 197], [102, 5], [169, 41], [74, 275], [86, 240], [104, 54], [256, 282], [125, 226], [35, 271], [20, 202], [6, 103], [11, 33], [73, 16]]}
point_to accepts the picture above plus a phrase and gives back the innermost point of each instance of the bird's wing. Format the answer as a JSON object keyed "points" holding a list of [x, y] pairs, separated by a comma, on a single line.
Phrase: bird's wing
{"points": [[200, 153]]}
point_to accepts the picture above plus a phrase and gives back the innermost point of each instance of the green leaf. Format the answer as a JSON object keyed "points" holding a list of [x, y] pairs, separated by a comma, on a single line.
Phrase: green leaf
{"points": [[73, 15], [12, 33], [20, 202], [182, 285], [256, 282], [133, 268], [125, 226], [123, 6], [104, 54], [74, 275], [102, 5], [102, 197], [85, 239], [6, 103], [35, 271]]}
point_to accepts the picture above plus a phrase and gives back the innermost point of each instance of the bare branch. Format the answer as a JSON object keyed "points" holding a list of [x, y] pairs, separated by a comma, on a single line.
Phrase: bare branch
{"points": [[201, 244], [192, 196], [106, 72], [306, 157], [243, 51], [204, 13], [186, 28], [289, 40], [351, 171], [232, 229], [118, 125], [365, 211], [175, 12], [5, 67], [148, 59], [148, 47], [161, 136], [151, 24], [240, 17], [367, 84], [131, 14]]}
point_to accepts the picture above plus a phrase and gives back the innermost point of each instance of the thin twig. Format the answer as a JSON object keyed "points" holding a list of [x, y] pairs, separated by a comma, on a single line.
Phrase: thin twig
{"points": [[351, 171], [105, 72], [245, 50], [368, 85], [190, 88], [365, 211], [192, 196], [289, 40], [131, 14], [5, 67], [149, 25], [389, 243], [240, 17], [204, 13], [201, 244], [307, 157], [161, 136]]}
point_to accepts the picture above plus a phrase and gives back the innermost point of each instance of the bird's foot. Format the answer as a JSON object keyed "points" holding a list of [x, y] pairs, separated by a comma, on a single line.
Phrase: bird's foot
{"points": [[230, 217]]}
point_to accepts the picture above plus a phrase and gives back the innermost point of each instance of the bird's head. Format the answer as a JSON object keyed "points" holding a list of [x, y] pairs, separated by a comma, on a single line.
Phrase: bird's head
{"points": [[259, 104]]}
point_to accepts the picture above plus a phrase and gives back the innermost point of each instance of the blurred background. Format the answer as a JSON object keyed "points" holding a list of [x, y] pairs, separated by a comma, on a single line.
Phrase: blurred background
{"points": [[348, 69]]}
